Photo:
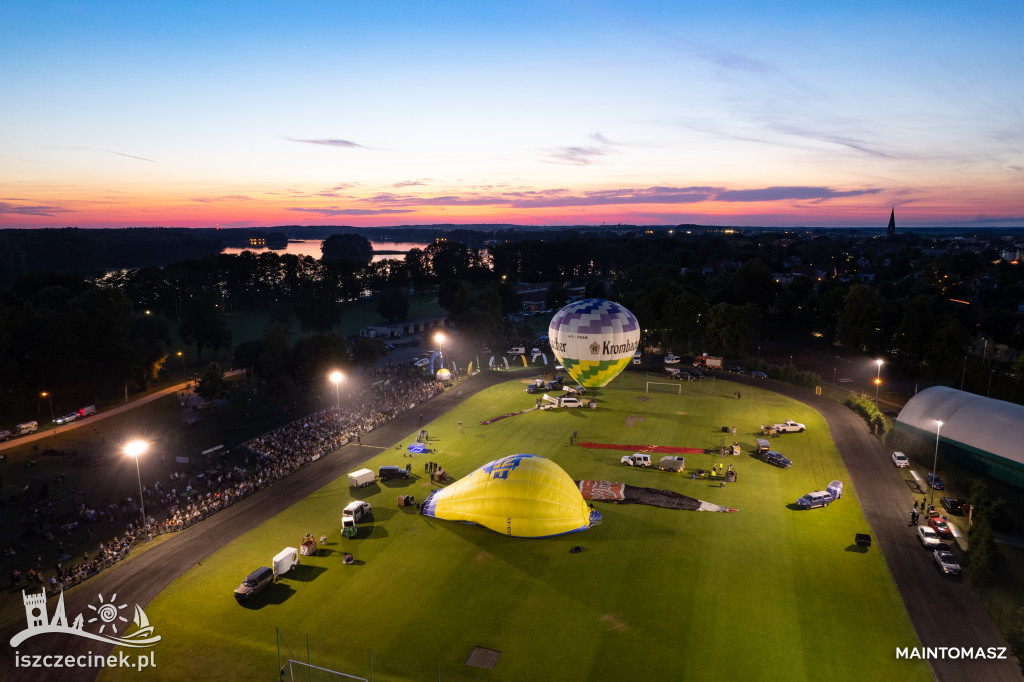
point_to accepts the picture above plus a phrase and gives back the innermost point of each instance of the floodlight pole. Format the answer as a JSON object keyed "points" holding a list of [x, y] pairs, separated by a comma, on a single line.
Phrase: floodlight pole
{"points": [[935, 463]]}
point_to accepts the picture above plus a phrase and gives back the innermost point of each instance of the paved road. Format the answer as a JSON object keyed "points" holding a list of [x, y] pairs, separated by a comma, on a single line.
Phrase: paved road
{"points": [[944, 612], [140, 579]]}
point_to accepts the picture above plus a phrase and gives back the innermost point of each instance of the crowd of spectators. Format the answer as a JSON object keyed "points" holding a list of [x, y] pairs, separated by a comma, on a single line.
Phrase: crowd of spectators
{"points": [[184, 500]]}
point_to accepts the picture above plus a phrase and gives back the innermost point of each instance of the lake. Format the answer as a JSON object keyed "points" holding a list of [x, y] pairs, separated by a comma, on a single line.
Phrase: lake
{"points": [[311, 247]]}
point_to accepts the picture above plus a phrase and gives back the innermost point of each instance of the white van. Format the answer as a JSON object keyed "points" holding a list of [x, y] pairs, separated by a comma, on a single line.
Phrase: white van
{"points": [[27, 427], [516, 350], [353, 513]]}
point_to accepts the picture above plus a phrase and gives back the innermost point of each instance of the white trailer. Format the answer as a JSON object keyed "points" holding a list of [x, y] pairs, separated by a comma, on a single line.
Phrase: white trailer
{"points": [[286, 560], [363, 477]]}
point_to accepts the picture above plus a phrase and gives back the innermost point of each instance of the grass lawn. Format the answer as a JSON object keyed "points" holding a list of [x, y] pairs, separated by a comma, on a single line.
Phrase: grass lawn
{"points": [[656, 593]]}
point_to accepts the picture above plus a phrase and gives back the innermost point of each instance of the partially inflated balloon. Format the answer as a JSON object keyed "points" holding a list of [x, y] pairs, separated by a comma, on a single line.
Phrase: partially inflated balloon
{"points": [[594, 339], [443, 375], [520, 495]]}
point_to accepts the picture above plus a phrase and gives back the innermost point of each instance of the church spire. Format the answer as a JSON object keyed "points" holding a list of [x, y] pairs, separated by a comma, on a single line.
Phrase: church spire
{"points": [[891, 230]]}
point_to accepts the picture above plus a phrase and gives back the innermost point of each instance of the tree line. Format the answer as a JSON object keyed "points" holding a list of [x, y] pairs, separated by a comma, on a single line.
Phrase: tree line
{"points": [[914, 301]]}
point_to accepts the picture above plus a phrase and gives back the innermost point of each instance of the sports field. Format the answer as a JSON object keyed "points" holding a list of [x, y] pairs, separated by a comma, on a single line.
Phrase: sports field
{"points": [[764, 593]]}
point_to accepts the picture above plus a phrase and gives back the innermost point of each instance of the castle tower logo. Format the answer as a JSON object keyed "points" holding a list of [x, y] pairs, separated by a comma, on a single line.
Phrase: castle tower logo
{"points": [[107, 616]]}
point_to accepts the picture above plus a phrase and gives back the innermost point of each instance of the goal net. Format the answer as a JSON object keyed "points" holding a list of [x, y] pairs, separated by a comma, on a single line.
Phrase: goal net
{"points": [[299, 671], [662, 387]]}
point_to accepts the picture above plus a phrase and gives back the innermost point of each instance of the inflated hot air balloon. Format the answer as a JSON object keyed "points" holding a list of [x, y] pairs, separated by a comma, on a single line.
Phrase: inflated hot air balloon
{"points": [[443, 374], [594, 339], [523, 496]]}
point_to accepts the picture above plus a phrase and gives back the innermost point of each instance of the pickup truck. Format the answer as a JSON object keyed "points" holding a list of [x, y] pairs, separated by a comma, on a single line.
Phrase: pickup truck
{"points": [[788, 426]]}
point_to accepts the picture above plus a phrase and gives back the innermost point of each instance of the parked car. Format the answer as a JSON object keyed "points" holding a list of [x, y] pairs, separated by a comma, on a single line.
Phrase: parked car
{"points": [[758, 375], [776, 459], [671, 359], [934, 481], [67, 418], [789, 426], [946, 562], [569, 401], [552, 385], [819, 498], [254, 583], [388, 472], [637, 459], [939, 525], [532, 388], [5, 435], [900, 460], [928, 538], [954, 505]]}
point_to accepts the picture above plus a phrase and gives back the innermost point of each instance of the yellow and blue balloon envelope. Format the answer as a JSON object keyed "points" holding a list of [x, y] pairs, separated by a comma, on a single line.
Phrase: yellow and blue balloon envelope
{"points": [[522, 496]]}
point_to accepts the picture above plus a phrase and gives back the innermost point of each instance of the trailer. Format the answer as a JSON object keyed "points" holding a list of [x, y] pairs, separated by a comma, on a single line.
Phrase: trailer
{"points": [[286, 560], [672, 463], [361, 478]]}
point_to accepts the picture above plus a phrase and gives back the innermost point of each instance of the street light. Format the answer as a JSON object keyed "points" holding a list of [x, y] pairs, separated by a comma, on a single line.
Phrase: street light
{"points": [[439, 337], [337, 378], [184, 374], [52, 420], [935, 463], [134, 449], [878, 380]]}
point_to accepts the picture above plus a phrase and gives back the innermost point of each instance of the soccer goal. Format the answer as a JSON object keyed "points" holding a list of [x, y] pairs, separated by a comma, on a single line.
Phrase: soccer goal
{"points": [[296, 671], [662, 387]]}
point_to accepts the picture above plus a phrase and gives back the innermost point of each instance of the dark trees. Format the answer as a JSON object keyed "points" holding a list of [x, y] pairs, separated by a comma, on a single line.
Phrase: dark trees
{"points": [[203, 324]]}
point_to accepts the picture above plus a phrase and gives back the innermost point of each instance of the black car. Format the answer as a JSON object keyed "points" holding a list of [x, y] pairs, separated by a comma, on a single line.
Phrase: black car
{"points": [[933, 481], [532, 388], [254, 583], [776, 459], [552, 385], [954, 505], [388, 472]]}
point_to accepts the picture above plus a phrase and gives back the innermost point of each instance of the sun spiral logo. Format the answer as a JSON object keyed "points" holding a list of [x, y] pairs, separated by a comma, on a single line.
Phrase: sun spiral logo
{"points": [[108, 614]]}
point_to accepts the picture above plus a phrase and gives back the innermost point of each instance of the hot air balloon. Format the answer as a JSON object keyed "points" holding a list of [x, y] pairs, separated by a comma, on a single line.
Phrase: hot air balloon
{"points": [[443, 374], [594, 339], [520, 495]]}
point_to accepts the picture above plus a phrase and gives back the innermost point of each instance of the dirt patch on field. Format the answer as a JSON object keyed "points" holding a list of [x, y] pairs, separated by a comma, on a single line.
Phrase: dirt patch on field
{"points": [[614, 622], [482, 558], [642, 398], [633, 420]]}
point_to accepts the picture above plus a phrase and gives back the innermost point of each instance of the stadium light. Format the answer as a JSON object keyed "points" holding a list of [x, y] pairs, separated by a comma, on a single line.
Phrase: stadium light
{"points": [[135, 449]]}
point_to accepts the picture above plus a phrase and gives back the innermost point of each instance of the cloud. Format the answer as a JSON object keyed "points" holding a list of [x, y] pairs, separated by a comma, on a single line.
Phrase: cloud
{"points": [[783, 193], [130, 156], [582, 155], [411, 183], [577, 156], [45, 211], [344, 144], [350, 211], [213, 200]]}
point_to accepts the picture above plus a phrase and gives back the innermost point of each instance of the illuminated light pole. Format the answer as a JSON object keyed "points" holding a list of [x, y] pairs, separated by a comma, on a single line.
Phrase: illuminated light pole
{"points": [[135, 449], [52, 420], [439, 337], [337, 377], [184, 374], [878, 380], [935, 463]]}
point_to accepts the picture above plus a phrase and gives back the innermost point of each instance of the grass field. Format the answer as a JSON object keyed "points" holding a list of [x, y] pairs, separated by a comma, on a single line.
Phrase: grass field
{"points": [[656, 593]]}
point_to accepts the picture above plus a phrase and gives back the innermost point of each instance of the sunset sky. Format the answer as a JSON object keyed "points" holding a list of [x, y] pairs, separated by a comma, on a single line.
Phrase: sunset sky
{"points": [[779, 113]]}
